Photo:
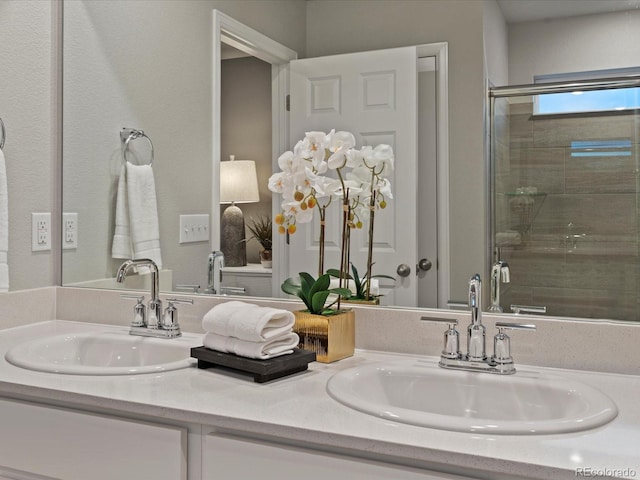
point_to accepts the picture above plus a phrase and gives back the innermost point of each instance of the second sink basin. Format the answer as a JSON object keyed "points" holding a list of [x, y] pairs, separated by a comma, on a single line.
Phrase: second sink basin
{"points": [[422, 394], [103, 353]]}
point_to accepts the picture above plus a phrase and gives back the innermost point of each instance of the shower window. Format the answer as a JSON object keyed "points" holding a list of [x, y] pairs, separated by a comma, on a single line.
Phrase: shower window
{"points": [[565, 202], [577, 99]]}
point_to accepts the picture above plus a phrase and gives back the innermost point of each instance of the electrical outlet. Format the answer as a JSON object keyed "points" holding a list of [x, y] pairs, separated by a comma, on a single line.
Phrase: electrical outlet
{"points": [[40, 232], [69, 230], [194, 228]]}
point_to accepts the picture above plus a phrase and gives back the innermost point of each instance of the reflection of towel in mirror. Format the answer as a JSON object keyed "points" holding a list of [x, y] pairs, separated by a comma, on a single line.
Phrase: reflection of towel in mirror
{"points": [[280, 345], [137, 232], [4, 226], [247, 321]]}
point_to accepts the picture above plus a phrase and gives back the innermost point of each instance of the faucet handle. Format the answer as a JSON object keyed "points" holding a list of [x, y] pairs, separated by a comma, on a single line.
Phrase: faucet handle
{"points": [[517, 309], [139, 311], [188, 287], [502, 342], [514, 326], [170, 317], [451, 348]]}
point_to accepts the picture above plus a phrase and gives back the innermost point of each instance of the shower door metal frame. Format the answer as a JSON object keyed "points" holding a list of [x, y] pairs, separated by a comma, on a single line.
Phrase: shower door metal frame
{"points": [[493, 93]]}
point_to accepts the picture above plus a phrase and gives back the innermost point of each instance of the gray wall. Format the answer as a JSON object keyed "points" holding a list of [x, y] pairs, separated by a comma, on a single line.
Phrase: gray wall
{"points": [[590, 42], [27, 101]]}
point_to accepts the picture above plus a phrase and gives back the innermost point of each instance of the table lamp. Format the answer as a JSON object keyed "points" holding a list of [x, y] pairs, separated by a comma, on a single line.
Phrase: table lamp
{"points": [[238, 184]]}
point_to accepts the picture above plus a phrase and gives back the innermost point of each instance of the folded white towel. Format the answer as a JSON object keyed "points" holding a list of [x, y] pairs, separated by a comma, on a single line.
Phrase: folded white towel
{"points": [[375, 285], [137, 231], [247, 321], [276, 346], [4, 226]]}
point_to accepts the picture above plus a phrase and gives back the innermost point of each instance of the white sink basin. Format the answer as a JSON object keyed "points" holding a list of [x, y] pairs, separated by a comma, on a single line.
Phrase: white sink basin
{"points": [[103, 353], [422, 394]]}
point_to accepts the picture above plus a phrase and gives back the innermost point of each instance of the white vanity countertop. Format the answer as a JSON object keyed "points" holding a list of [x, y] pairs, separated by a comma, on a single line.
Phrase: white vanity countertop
{"points": [[299, 409]]}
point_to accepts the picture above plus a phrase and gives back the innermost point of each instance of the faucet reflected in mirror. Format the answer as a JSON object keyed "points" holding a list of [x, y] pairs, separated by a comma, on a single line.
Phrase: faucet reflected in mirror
{"points": [[499, 273]]}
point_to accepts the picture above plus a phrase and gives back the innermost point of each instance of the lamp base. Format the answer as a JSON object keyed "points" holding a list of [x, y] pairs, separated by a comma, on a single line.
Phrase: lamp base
{"points": [[232, 239]]}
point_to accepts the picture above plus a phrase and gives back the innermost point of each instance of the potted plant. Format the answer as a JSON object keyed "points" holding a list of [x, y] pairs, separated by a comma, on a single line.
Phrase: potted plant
{"points": [[327, 331], [362, 285], [261, 230]]}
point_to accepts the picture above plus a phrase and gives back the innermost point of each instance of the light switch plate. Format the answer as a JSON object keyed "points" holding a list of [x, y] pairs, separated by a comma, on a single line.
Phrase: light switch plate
{"points": [[194, 228]]}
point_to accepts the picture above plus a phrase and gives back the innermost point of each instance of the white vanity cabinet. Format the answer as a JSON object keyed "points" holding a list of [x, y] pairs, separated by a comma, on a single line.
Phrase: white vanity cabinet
{"points": [[233, 458], [39, 442]]}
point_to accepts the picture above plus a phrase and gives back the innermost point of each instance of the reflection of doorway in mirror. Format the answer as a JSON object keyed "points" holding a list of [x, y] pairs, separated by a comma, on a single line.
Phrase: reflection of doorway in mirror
{"points": [[245, 113]]}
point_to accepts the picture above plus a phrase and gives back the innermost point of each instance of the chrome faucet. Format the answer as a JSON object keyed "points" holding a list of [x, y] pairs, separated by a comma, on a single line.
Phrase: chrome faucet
{"points": [[476, 359], [151, 325], [499, 273], [214, 272], [476, 332]]}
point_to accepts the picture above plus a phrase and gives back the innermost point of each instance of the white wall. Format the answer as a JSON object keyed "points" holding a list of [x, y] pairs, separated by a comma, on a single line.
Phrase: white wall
{"points": [[27, 101], [341, 26], [590, 42]]}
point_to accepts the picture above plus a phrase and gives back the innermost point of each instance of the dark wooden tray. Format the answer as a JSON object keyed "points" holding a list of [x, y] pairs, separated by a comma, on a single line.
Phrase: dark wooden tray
{"points": [[262, 370]]}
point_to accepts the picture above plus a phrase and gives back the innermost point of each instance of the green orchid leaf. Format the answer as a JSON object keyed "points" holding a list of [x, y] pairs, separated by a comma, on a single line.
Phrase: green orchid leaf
{"points": [[289, 286], [292, 288], [320, 285], [383, 276], [317, 302], [306, 282], [343, 292]]}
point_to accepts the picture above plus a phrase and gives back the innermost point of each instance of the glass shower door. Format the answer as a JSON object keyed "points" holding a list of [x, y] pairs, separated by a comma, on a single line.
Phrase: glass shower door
{"points": [[564, 190]]}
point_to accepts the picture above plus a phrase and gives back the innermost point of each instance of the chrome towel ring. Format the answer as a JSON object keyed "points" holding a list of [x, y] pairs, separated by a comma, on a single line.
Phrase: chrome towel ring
{"points": [[4, 133], [130, 134]]}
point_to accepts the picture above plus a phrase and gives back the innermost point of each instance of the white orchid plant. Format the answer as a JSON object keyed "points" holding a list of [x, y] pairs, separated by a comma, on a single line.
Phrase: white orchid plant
{"points": [[307, 183]]}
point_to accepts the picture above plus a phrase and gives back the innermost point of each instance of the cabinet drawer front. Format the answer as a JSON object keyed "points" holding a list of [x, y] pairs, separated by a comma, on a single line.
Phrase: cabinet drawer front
{"points": [[60, 443], [230, 458]]}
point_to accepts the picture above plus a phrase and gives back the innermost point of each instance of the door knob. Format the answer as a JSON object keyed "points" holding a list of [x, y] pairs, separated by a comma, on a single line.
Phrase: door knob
{"points": [[403, 270], [424, 264]]}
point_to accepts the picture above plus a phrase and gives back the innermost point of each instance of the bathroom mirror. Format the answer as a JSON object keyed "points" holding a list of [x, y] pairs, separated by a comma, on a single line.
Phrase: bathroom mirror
{"points": [[106, 84]]}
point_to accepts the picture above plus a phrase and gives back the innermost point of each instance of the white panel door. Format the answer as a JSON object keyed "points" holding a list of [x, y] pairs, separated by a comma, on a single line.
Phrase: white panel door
{"points": [[374, 96]]}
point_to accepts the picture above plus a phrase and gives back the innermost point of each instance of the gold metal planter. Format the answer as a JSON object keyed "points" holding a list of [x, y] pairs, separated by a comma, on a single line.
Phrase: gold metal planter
{"points": [[331, 337]]}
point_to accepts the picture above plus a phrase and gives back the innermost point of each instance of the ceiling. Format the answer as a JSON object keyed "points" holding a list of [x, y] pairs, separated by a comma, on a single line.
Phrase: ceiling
{"points": [[515, 11]]}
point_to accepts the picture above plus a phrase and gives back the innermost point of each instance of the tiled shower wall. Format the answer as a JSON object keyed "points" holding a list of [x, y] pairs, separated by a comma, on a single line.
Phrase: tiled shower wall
{"points": [[572, 246]]}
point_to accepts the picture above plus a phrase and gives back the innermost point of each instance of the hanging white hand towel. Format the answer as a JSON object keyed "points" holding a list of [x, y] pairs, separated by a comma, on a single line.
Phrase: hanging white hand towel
{"points": [[4, 226], [121, 247], [247, 321], [281, 345], [137, 231]]}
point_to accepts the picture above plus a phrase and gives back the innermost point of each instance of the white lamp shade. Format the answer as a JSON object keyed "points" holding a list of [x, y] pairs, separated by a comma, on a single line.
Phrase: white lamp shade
{"points": [[238, 182]]}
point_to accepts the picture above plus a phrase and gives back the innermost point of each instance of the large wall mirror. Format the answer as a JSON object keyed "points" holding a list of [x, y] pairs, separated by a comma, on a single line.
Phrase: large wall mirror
{"points": [[152, 66]]}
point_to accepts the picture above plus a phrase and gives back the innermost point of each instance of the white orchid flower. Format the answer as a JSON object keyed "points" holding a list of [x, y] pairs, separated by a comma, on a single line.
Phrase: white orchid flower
{"points": [[340, 141], [292, 209], [384, 187], [380, 159], [312, 147]]}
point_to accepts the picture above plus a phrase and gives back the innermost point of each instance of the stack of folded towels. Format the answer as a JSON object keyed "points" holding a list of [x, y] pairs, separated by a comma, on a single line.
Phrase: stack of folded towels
{"points": [[250, 331]]}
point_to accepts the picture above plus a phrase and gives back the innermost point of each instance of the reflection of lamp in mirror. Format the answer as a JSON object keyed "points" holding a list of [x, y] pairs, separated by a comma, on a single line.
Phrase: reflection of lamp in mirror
{"points": [[238, 184]]}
